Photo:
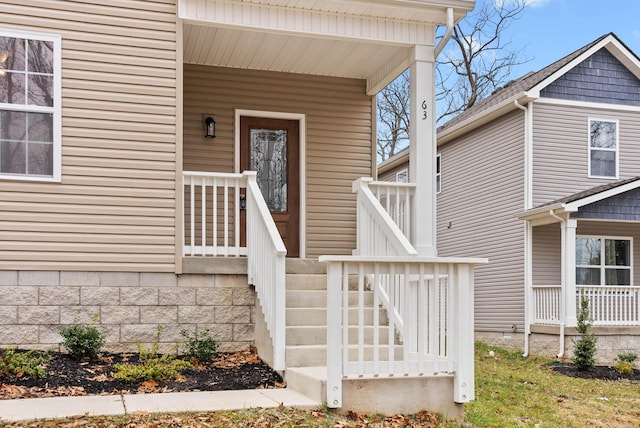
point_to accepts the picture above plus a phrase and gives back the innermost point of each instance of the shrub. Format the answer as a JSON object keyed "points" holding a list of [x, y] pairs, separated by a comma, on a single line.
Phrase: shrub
{"points": [[151, 366], [625, 362], [82, 341], [584, 348], [30, 364], [200, 347]]}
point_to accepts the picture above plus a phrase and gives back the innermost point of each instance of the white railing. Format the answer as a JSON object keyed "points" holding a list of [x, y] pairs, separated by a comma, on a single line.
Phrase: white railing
{"points": [[438, 321], [611, 305], [212, 214], [266, 267], [547, 304], [608, 305], [396, 198], [377, 233], [212, 227]]}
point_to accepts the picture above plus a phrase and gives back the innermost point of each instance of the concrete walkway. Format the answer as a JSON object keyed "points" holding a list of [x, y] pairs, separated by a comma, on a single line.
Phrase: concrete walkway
{"points": [[60, 407]]}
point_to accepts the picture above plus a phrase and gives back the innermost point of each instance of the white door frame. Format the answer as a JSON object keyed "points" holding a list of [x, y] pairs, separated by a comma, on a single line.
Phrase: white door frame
{"points": [[301, 118]]}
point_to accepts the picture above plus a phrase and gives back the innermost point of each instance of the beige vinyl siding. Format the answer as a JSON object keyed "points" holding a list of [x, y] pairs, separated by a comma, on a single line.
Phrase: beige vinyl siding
{"points": [[114, 209], [477, 217], [547, 255], [561, 149], [338, 139]]}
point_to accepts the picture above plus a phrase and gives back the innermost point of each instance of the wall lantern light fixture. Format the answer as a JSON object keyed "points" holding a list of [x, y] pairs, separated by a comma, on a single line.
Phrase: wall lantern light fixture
{"points": [[209, 127]]}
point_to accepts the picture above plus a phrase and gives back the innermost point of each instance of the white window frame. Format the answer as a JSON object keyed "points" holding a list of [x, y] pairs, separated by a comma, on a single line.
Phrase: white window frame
{"points": [[56, 110], [438, 173], [602, 266], [616, 150], [402, 176]]}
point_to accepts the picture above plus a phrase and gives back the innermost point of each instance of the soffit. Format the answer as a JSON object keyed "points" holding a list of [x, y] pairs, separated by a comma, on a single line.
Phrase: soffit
{"points": [[347, 38]]}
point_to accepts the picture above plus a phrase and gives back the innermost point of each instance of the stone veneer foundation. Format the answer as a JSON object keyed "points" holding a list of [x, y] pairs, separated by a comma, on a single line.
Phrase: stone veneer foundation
{"points": [[128, 306]]}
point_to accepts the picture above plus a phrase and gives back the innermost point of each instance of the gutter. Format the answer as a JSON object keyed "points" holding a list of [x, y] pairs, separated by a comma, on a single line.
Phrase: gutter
{"points": [[447, 35]]}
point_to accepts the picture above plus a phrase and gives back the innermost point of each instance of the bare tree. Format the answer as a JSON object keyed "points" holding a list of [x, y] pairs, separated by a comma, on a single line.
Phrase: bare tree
{"points": [[477, 59]]}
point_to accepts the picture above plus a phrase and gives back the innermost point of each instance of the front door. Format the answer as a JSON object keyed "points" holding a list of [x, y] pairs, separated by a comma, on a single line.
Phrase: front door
{"points": [[271, 148]]}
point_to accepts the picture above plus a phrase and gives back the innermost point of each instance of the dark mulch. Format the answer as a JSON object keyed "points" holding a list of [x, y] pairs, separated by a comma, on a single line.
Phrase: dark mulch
{"points": [[598, 372], [65, 376]]}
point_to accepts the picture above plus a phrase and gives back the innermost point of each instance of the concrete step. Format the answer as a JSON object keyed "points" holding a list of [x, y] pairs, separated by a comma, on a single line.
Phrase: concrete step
{"points": [[306, 281], [318, 299], [316, 355], [304, 266], [317, 335], [318, 316], [308, 381]]}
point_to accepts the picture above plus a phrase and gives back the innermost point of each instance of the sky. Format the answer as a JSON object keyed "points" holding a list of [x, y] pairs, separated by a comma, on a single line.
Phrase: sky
{"points": [[550, 29]]}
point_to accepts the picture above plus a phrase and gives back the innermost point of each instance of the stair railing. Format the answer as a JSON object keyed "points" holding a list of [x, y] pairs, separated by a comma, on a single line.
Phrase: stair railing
{"points": [[266, 266]]}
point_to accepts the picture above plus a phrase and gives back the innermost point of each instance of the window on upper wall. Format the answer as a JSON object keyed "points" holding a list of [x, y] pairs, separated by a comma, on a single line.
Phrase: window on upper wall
{"points": [[603, 260], [30, 130], [603, 148], [438, 173], [402, 176]]}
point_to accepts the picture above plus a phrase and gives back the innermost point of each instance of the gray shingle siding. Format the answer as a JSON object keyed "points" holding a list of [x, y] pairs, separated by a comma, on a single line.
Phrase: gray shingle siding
{"points": [[600, 78], [625, 206]]}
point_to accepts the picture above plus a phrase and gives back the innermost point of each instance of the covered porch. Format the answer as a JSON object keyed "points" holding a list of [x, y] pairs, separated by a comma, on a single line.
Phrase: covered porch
{"points": [[289, 90], [585, 245]]}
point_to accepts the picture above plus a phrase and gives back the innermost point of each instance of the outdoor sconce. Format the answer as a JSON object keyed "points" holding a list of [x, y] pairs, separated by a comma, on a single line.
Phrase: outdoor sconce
{"points": [[209, 127]]}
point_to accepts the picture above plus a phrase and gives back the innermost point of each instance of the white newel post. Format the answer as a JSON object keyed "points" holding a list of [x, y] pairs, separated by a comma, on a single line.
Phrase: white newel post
{"points": [[422, 158], [570, 226]]}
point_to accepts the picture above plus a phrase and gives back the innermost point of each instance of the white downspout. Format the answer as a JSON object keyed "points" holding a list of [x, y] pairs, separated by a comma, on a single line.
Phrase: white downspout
{"points": [[563, 296], [528, 137], [447, 34]]}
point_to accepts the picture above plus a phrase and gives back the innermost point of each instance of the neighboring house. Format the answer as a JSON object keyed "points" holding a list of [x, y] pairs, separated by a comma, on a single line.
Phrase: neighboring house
{"points": [[125, 128], [542, 178]]}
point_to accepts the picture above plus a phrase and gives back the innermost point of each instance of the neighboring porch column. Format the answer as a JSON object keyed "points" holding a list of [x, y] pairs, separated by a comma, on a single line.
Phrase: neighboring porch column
{"points": [[569, 271], [422, 154]]}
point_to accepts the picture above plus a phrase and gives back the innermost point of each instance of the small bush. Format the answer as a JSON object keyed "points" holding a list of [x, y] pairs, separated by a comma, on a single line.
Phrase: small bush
{"points": [[200, 347], [82, 341], [585, 348], [23, 364], [625, 363], [152, 365]]}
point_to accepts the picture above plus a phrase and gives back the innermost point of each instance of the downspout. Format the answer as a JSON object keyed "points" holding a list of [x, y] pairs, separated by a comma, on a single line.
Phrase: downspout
{"points": [[562, 284], [527, 228], [447, 33]]}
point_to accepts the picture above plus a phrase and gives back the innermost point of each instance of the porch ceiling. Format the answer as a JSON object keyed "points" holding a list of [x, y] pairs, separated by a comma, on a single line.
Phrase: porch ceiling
{"points": [[369, 40]]}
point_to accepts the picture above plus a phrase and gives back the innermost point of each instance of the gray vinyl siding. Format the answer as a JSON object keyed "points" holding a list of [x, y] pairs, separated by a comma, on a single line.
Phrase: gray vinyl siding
{"points": [[390, 175], [338, 140], [547, 255], [477, 216], [560, 149], [625, 207], [600, 78], [114, 209]]}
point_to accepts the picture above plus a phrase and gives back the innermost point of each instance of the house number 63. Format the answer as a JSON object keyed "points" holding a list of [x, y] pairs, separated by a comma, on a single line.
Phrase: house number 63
{"points": [[424, 109]]}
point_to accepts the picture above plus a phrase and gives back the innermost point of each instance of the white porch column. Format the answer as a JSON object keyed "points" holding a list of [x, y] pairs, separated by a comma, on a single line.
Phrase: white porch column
{"points": [[422, 155], [569, 261]]}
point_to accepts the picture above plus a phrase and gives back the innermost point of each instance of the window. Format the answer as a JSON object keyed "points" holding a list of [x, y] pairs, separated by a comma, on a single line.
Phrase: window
{"points": [[603, 261], [29, 106], [402, 176], [438, 173], [603, 148]]}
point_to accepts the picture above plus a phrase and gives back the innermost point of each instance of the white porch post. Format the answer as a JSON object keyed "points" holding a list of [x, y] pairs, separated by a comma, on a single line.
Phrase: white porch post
{"points": [[422, 155], [570, 226]]}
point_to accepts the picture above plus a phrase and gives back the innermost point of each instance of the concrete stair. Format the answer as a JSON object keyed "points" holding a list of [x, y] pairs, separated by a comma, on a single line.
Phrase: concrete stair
{"points": [[306, 327]]}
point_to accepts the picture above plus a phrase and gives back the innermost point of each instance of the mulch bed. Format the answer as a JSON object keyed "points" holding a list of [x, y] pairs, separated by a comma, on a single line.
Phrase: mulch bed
{"points": [[598, 372], [67, 377]]}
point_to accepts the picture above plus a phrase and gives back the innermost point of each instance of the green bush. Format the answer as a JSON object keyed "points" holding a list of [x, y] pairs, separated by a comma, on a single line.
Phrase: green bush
{"points": [[585, 348], [625, 363], [82, 341], [200, 347], [30, 364]]}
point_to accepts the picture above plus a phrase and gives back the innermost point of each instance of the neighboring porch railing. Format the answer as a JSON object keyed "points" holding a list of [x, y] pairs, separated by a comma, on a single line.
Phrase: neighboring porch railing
{"points": [[212, 227], [437, 314], [608, 305]]}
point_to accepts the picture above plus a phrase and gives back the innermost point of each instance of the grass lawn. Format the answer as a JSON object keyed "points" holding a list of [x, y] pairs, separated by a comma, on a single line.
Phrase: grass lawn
{"points": [[510, 392]]}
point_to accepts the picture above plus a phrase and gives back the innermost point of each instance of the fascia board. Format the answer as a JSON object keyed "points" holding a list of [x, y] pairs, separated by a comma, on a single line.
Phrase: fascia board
{"points": [[575, 205], [484, 117], [393, 162]]}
